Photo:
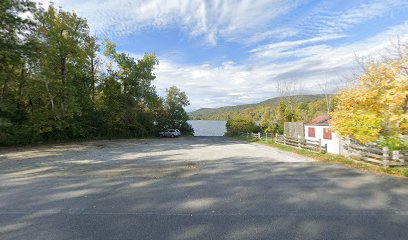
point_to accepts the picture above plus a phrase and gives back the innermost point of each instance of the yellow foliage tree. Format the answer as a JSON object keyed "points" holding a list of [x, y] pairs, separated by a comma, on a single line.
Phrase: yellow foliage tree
{"points": [[377, 105]]}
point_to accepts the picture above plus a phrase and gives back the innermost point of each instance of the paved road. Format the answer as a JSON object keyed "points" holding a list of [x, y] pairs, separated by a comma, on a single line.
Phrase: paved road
{"points": [[191, 188]]}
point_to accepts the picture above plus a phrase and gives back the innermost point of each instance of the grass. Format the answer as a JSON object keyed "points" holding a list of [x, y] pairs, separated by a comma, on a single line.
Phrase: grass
{"points": [[333, 158]]}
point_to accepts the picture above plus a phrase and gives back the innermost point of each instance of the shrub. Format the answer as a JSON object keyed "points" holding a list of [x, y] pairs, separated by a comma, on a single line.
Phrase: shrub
{"points": [[239, 124], [187, 129], [394, 143]]}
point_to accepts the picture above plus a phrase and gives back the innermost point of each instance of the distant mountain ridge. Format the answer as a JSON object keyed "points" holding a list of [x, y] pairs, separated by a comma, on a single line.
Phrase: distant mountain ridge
{"points": [[212, 113]]}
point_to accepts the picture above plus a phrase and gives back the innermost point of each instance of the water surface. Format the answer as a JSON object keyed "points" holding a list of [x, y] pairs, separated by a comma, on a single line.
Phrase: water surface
{"points": [[208, 127]]}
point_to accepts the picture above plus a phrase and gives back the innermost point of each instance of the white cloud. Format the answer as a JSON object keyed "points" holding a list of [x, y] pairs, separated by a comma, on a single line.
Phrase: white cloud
{"points": [[298, 50], [277, 34], [335, 22], [285, 48], [254, 81], [211, 19]]}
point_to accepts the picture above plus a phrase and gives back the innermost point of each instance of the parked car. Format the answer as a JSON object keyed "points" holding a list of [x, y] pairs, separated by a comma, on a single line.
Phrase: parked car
{"points": [[170, 133]]}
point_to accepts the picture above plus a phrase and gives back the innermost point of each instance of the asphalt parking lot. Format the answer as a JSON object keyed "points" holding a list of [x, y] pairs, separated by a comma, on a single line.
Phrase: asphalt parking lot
{"points": [[191, 188]]}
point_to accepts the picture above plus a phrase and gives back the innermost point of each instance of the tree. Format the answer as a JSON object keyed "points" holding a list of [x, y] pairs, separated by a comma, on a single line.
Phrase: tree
{"points": [[377, 106], [16, 50], [237, 125], [175, 115], [91, 49], [51, 86], [128, 100], [282, 113], [63, 37], [324, 87], [288, 91], [174, 104]]}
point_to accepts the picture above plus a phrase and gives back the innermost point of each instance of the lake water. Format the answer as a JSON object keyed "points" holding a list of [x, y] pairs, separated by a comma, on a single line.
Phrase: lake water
{"points": [[208, 127]]}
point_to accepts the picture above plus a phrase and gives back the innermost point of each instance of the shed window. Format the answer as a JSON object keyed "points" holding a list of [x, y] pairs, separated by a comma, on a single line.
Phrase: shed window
{"points": [[327, 133], [311, 132]]}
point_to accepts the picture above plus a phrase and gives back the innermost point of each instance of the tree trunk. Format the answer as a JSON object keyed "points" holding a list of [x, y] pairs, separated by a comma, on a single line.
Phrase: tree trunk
{"points": [[20, 84], [328, 102], [51, 100], [93, 82], [20, 104], [63, 81]]}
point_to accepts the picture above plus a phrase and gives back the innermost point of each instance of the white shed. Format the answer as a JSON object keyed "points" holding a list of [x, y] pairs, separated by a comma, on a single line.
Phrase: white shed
{"points": [[319, 128]]}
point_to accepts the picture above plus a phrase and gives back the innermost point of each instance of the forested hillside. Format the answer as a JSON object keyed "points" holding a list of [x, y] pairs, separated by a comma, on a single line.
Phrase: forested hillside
{"points": [[314, 104], [54, 86], [272, 113]]}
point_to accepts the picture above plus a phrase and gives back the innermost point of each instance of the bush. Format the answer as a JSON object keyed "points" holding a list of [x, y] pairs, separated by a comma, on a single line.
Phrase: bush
{"points": [[237, 125], [394, 143], [187, 129]]}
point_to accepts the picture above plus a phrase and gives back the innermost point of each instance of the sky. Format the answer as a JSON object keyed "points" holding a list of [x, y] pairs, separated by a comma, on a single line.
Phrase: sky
{"points": [[229, 52]]}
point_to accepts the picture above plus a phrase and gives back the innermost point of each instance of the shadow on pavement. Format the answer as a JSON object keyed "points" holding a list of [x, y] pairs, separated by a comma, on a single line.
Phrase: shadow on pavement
{"points": [[195, 188]]}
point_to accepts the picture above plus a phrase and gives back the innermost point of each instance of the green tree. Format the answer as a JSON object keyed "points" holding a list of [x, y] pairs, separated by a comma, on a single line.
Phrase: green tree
{"points": [[238, 125], [17, 49], [63, 36], [175, 115], [128, 100], [53, 89], [281, 114]]}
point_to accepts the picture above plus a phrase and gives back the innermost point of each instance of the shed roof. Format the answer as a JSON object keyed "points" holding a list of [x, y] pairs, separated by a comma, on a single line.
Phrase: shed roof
{"points": [[322, 120]]}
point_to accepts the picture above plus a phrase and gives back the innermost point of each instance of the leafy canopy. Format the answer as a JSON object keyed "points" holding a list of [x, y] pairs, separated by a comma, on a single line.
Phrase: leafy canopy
{"points": [[238, 125], [53, 86], [377, 106]]}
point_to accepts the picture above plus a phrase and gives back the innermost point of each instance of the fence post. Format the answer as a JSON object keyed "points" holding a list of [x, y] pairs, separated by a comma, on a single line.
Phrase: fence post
{"points": [[266, 136], [284, 138], [276, 137], [401, 156], [347, 147], [396, 156], [385, 156], [320, 145], [299, 141]]}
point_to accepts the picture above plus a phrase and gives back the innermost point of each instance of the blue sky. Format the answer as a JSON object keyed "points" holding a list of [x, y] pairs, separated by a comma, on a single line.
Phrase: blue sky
{"points": [[238, 51]]}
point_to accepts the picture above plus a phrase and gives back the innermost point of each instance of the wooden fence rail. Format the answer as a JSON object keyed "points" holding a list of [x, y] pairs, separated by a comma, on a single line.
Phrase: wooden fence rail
{"points": [[369, 154], [299, 142], [312, 145], [376, 155]]}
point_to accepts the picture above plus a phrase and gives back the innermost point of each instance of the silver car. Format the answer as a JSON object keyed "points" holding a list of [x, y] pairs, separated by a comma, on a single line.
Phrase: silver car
{"points": [[170, 133]]}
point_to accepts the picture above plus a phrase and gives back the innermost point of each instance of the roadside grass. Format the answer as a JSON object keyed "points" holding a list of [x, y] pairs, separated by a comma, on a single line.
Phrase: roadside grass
{"points": [[332, 158]]}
